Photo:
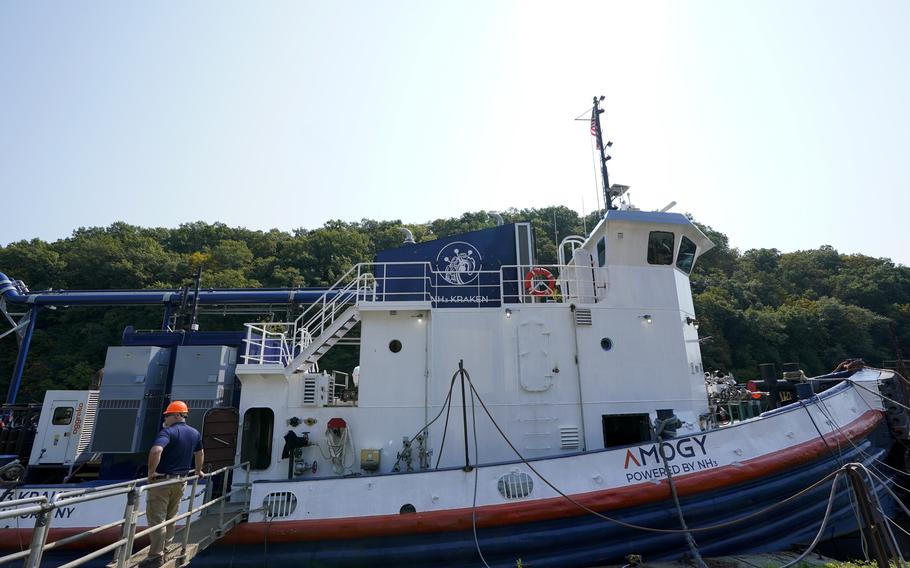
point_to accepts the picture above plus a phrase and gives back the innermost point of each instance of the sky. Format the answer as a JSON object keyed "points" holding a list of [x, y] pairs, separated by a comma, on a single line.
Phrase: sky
{"points": [[782, 124]]}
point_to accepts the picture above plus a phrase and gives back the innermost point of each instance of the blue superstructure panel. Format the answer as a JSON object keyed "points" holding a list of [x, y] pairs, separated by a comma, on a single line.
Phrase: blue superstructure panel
{"points": [[457, 271]]}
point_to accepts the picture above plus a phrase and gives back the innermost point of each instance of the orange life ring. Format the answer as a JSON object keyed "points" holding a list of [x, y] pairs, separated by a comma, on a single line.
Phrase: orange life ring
{"points": [[546, 275]]}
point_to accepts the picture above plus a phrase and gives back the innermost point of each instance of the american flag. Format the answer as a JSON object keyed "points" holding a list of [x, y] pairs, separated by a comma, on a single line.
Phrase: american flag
{"points": [[594, 126]]}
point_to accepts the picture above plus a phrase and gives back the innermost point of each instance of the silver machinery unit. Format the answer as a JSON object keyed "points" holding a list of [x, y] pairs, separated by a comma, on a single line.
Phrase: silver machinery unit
{"points": [[132, 393], [65, 427], [204, 379]]}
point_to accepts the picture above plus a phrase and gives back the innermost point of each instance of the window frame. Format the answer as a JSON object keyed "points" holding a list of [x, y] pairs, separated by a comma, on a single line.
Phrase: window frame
{"points": [[679, 254], [652, 248], [69, 413], [602, 252]]}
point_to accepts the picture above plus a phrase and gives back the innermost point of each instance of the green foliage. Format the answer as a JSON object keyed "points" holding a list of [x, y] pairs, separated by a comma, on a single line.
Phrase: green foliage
{"points": [[815, 307]]}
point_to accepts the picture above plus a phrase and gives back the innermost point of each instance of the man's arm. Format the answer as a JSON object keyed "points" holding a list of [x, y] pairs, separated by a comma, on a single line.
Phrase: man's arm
{"points": [[199, 456], [154, 458]]}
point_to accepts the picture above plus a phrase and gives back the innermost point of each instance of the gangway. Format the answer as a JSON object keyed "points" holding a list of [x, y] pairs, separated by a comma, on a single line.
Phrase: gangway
{"points": [[204, 524]]}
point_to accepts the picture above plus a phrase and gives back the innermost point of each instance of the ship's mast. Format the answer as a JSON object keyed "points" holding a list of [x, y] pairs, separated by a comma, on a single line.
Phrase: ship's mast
{"points": [[596, 111]]}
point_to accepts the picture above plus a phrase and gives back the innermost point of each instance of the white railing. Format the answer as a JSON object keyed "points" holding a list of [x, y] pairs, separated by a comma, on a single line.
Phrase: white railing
{"points": [[552, 283], [281, 342], [268, 343], [43, 509]]}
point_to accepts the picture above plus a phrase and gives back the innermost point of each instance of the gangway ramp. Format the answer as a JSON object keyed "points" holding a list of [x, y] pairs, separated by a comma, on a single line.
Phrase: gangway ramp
{"points": [[204, 531], [205, 519]]}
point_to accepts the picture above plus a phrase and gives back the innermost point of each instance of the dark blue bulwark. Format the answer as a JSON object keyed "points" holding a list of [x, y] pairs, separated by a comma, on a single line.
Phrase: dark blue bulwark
{"points": [[458, 271]]}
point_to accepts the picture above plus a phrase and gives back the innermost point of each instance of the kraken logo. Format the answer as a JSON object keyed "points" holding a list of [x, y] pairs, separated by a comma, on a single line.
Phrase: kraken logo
{"points": [[459, 263]]}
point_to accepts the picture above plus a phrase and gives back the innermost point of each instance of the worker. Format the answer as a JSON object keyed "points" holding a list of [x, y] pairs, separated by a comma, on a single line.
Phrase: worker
{"points": [[176, 450]]}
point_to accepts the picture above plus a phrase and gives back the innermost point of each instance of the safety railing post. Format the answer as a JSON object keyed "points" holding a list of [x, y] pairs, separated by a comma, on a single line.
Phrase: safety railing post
{"points": [[224, 481], [249, 487], [39, 538], [130, 515], [246, 347], [189, 519]]}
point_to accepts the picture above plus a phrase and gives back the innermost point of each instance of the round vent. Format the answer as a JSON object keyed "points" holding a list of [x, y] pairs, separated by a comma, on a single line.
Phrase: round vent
{"points": [[515, 485], [279, 504]]}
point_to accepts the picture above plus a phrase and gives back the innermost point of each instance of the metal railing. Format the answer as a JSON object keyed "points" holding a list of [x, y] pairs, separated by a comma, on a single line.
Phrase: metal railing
{"points": [[282, 342], [267, 343], [43, 511]]}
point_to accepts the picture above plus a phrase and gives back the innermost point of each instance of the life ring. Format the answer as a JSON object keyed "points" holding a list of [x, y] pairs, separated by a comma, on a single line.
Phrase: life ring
{"points": [[542, 273]]}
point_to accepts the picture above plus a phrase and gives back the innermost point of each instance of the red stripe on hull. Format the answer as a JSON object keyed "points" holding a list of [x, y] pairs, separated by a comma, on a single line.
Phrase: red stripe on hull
{"points": [[504, 514], [553, 507]]}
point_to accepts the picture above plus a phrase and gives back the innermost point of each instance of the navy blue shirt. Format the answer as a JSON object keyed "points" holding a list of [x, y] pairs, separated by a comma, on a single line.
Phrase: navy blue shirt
{"points": [[179, 441]]}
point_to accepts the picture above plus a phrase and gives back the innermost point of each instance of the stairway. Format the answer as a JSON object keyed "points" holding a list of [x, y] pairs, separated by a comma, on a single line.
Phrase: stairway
{"points": [[331, 333]]}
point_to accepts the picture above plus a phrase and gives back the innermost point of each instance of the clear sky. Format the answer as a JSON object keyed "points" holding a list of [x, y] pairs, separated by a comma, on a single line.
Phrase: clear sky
{"points": [[782, 124]]}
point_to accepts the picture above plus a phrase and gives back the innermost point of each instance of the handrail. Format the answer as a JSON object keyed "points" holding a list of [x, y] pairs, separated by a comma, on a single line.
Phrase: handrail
{"points": [[284, 343], [43, 512]]}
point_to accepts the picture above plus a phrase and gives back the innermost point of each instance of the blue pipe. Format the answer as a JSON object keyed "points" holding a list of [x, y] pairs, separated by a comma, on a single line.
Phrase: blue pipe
{"points": [[132, 297], [23, 354]]}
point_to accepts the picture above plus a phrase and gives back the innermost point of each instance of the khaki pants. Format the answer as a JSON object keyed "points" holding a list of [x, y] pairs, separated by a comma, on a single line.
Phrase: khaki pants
{"points": [[162, 504]]}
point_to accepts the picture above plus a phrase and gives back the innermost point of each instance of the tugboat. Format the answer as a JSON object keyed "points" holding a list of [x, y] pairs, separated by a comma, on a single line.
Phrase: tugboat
{"points": [[503, 411]]}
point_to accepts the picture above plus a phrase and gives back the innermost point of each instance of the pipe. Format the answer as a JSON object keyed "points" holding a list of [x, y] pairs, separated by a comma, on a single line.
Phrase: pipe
{"points": [[134, 297], [408, 235], [23, 354]]}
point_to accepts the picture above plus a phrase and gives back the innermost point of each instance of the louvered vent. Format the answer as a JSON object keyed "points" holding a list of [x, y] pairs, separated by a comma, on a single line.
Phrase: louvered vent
{"points": [[120, 403], [279, 504], [515, 485], [569, 438], [88, 424], [583, 316], [309, 390]]}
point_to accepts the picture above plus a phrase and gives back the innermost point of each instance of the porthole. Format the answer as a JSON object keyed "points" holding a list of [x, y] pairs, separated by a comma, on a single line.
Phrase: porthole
{"points": [[394, 346], [407, 508], [606, 344]]}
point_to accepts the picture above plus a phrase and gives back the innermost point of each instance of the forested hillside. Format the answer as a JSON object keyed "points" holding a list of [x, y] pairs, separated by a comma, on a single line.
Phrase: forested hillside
{"points": [[816, 307]]}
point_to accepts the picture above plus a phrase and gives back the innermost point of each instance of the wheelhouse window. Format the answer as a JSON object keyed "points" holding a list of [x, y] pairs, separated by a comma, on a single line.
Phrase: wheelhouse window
{"points": [[660, 247], [686, 255], [602, 251], [256, 447]]}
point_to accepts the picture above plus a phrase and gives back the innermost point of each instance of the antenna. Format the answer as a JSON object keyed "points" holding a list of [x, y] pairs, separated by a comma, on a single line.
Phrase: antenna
{"points": [[596, 130]]}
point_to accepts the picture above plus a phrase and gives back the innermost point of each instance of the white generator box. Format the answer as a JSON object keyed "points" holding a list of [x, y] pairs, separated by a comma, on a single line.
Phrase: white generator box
{"points": [[65, 426]]}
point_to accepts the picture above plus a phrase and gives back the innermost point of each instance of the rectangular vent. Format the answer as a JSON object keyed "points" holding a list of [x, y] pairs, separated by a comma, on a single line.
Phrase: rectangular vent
{"points": [[583, 316], [309, 390], [199, 403], [569, 438], [119, 403]]}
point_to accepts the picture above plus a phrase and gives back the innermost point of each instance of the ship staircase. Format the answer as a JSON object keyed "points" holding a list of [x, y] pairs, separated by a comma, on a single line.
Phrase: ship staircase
{"points": [[210, 516], [297, 346]]}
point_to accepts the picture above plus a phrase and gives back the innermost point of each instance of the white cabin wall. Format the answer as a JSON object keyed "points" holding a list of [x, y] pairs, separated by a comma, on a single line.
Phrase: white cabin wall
{"points": [[474, 336], [650, 366], [387, 379], [528, 400], [393, 386]]}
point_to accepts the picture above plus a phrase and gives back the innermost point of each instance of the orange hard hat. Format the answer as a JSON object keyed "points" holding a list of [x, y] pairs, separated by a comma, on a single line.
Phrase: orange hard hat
{"points": [[177, 407]]}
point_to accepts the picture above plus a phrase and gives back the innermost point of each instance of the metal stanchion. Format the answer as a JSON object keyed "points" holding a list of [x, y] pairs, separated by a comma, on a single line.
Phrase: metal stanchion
{"points": [[189, 519], [129, 528]]}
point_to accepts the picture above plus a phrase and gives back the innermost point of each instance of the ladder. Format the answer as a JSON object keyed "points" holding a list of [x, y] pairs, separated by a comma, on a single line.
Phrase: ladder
{"points": [[338, 326]]}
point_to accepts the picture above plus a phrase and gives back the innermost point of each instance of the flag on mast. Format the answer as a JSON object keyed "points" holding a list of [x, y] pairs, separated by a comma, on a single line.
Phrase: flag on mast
{"points": [[594, 126]]}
